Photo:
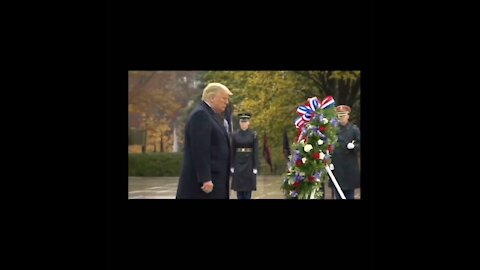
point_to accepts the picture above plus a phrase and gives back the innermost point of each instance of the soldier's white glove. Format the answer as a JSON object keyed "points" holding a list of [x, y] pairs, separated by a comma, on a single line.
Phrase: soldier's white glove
{"points": [[350, 145], [232, 170], [332, 167], [255, 171]]}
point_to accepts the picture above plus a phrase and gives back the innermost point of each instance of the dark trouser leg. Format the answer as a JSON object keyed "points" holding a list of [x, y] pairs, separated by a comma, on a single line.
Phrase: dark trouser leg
{"points": [[349, 194], [244, 195]]}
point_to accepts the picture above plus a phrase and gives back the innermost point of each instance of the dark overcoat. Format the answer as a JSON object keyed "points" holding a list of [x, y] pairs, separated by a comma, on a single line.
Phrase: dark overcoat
{"points": [[345, 161], [206, 156]]}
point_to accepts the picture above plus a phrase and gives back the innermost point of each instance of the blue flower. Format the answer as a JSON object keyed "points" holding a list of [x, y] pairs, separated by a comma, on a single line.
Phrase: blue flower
{"points": [[296, 155], [334, 122]]}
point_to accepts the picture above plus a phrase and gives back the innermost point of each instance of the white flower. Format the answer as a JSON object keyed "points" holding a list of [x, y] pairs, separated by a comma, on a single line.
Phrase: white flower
{"points": [[304, 159], [320, 142], [307, 148], [302, 141], [325, 120], [322, 155], [302, 173]]}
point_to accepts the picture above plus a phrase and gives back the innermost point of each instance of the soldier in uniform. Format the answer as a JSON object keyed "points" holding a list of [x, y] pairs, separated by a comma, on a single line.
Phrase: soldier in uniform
{"points": [[244, 159], [344, 157]]}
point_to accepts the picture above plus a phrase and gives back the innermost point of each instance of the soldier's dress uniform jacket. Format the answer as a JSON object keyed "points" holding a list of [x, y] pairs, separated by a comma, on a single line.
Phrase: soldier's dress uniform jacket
{"points": [[244, 160], [346, 169]]}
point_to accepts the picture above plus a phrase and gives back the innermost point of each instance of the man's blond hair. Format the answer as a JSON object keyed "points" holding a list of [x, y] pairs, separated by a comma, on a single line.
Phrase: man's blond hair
{"points": [[212, 89]]}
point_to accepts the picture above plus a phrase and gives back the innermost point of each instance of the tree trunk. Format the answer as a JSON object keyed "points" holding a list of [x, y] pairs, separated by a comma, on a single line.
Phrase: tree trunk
{"points": [[161, 143]]}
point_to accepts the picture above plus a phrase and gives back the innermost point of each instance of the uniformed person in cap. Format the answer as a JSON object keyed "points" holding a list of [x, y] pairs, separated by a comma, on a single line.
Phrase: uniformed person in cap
{"points": [[244, 159], [344, 157]]}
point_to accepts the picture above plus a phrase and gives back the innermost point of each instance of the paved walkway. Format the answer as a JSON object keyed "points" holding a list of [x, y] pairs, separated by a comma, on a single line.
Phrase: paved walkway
{"points": [[268, 187]]}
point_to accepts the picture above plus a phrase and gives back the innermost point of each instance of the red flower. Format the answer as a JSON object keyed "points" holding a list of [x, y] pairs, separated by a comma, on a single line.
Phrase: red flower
{"points": [[322, 128], [311, 178], [296, 184], [316, 155], [330, 148], [299, 163]]}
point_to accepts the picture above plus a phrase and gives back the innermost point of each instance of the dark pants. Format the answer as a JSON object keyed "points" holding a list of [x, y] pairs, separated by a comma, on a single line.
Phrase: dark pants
{"points": [[349, 194], [244, 195]]}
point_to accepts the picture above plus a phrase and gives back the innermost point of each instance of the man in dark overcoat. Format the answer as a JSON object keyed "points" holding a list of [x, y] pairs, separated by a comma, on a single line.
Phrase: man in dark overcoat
{"points": [[206, 162]]}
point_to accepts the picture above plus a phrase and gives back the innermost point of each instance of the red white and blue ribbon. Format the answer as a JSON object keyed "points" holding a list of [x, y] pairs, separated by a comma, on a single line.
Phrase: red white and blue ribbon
{"points": [[307, 111], [327, 102]]}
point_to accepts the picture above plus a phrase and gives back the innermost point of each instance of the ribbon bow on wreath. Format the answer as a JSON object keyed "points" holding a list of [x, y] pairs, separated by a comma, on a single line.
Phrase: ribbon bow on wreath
{"points": [[308, 111]]}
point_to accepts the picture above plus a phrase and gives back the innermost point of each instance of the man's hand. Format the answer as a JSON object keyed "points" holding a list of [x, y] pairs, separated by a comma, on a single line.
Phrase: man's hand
{"points": [[232, 170], [350, 145], [207, 186], [255, 171]]}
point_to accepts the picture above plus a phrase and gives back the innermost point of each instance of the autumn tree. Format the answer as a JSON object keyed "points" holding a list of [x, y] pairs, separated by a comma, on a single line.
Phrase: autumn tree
{"points": [[344, 86], [152, 95]]}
